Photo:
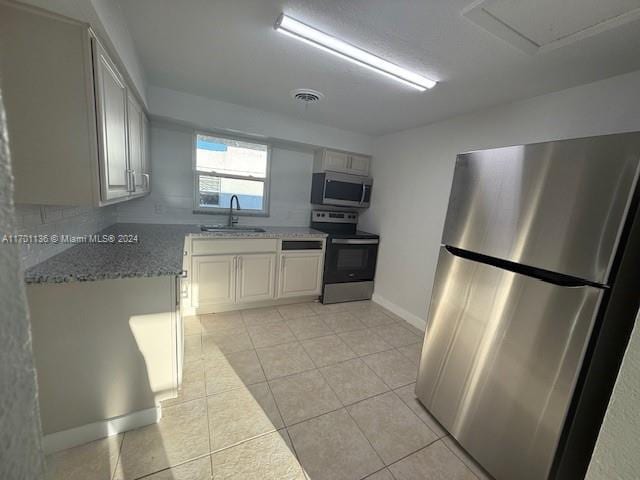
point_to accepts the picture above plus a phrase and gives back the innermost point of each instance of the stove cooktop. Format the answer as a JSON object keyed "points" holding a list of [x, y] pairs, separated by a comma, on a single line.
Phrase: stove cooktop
{"points": [[357, 234], [339, 224]]}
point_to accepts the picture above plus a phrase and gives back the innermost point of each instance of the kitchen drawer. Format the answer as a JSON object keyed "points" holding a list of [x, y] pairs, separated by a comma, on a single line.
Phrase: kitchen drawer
{"points": [[210, 246]]}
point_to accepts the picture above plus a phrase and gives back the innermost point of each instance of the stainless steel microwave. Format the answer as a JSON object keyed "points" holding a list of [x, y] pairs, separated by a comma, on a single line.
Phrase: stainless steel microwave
{"points": [[341, 189]]}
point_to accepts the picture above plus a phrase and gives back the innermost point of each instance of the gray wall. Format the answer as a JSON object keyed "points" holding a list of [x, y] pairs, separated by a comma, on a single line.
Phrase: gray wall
{"points": [[616, 453], [20, 435], [214, 115], [172, 184], [413, 171]]}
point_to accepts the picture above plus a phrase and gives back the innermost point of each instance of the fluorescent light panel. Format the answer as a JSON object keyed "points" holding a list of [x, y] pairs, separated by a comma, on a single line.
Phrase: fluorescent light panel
{"points": [[327, 43]]}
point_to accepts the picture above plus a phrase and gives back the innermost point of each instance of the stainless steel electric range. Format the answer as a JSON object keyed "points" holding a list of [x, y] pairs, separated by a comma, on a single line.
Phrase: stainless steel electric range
{"points": [[350, 258]]}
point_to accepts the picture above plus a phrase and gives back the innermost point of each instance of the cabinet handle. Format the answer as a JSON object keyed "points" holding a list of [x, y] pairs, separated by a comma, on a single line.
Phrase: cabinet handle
{"points": [[131, 179], [240, 264], [147, 181], [127, 177]]}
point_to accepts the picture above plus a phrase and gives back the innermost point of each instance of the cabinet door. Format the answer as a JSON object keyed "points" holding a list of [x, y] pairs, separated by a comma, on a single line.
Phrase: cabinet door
{"points": [[213, 280], [256, 277], [135, 118], [146, 155], [336, 161], [48, 95], [111, 103], [359, 165], [300, 274]]}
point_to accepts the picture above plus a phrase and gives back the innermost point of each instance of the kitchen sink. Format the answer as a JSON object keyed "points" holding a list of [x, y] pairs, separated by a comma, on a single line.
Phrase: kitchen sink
{"points": [[228, 229]]}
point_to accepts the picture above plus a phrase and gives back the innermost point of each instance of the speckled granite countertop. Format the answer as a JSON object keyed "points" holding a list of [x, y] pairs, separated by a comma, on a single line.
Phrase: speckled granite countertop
{"points": [[159, 251], [270, 232]]}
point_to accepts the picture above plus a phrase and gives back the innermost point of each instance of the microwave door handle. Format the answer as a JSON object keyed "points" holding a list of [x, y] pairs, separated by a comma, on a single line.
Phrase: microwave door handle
{"points": [[363, 193]]}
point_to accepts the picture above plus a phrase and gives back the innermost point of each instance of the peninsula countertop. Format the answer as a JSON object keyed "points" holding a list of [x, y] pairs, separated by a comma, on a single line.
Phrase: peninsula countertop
{"points": [[126, 250]]}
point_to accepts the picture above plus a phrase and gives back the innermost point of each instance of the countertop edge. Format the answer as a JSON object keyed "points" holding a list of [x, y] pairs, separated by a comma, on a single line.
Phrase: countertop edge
{"points": [[53, 270]]}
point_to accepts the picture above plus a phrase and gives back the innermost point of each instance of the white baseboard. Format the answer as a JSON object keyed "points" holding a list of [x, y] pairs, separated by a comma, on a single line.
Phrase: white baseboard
{"points": [[409, 317], [54, 442]]}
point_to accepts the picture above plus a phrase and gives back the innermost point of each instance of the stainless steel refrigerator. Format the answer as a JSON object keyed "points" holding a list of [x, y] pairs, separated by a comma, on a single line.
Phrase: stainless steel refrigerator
{"points": [[535, 296]]}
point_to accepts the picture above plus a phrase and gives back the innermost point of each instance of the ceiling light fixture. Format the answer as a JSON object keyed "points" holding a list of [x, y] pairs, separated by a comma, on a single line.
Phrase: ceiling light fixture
{"points": [[298, 30]]}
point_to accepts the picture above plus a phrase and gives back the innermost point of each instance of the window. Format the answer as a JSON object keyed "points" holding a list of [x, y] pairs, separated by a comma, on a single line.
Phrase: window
{"points": [[225, 167]]}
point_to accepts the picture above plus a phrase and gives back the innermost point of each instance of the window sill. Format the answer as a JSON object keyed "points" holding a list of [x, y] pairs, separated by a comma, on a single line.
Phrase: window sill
{"points": [[225, 212]]}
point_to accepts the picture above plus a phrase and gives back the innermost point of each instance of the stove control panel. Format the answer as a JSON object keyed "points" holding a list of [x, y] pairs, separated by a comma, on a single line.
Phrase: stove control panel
{"points": [[329, 216]]}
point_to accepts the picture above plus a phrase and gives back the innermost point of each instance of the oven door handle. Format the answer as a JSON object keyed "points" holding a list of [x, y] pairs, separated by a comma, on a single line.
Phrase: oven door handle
{"points": [[363, 194], [355, 241]]}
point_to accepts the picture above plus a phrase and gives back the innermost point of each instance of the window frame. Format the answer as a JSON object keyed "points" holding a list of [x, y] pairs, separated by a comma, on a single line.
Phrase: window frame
{"points": [[225, 210]]}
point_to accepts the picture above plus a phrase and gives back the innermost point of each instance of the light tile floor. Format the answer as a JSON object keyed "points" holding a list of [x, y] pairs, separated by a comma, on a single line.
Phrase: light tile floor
{"points": [[308, 391]]}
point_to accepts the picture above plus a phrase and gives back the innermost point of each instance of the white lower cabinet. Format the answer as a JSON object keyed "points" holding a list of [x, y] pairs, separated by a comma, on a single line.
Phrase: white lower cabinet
{"points": [[105, 352], [229, 274], [220, 280], [256, 277], [300, 274], [214, 280]]}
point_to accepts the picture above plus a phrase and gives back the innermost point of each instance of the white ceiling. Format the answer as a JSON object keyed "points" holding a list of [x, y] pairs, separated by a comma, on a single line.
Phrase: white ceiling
{"points": [[229, 51], [543, 25], [546, 21]]}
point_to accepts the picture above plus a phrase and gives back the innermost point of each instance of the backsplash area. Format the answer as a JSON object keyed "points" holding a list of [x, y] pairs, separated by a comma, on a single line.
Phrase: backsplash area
{"points": [[50, 220]]}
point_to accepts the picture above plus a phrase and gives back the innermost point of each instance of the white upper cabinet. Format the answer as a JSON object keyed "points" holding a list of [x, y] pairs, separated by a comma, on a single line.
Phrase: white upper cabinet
{"points": [[146, 155], [359, 165], [138, 147], [112, 103], [335, 161], [77, 131], [331, 160]]}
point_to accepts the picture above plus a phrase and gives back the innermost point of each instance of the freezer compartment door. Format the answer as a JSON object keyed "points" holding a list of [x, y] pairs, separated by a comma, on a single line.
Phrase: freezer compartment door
{"points": [[557, 206], [500, 360]]}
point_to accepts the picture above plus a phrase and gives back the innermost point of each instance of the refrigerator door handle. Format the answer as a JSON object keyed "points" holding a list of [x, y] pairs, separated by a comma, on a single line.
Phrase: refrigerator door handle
{"points": [[538, 273]]}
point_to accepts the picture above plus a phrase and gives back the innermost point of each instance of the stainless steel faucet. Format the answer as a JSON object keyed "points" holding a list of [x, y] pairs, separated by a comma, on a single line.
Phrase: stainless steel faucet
{"points": [[233, 220]]}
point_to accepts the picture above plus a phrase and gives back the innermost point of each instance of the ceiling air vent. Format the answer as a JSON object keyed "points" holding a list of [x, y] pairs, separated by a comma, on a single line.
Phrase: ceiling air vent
{"points": [[306, 95]]}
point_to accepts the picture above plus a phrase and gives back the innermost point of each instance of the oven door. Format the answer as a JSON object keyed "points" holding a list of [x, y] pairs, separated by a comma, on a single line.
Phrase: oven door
{"points": [[346, 190], [350, 260]]}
